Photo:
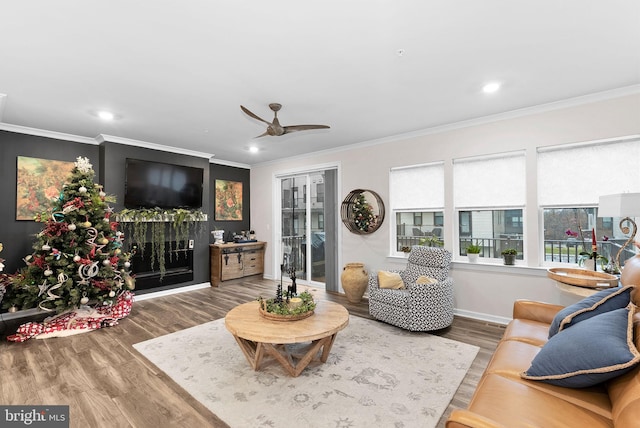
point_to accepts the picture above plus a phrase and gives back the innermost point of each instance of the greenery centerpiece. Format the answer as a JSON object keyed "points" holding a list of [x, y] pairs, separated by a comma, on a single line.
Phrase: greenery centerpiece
{"points": [[287, 308]]}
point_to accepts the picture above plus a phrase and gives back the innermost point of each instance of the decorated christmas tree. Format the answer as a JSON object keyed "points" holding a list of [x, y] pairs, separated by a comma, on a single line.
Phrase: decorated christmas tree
{"points": [[362, 213], [78, 257]]}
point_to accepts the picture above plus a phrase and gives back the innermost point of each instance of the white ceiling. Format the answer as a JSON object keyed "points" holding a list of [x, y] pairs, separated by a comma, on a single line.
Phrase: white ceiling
{"points": [[176, 72]]}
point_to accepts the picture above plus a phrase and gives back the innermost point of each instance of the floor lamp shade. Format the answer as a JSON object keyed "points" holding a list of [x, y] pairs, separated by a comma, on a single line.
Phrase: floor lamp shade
{"points": [[619, 205]]}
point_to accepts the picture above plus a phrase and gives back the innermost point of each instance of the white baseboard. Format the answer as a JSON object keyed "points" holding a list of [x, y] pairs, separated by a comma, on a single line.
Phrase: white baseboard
{"points": [[482, 317], [176, 290], [460, 312]]}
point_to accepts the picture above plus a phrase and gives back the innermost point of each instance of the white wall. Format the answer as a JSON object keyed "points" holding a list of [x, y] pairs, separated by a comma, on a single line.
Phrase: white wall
{"points": [[483, 291]]}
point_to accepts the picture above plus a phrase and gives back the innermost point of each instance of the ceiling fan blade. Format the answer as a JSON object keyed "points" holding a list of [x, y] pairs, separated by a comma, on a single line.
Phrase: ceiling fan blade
{"points": [[244, 109], [265, 133], [294, 128]]}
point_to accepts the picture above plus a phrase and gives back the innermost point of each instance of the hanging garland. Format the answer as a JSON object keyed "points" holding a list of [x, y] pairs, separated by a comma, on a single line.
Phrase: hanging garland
{"points": [[181, 223]]}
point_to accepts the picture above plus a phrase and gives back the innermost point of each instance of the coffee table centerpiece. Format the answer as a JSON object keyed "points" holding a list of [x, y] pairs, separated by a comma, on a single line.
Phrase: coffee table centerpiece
{"points": [[287, 305], [287, 308]]}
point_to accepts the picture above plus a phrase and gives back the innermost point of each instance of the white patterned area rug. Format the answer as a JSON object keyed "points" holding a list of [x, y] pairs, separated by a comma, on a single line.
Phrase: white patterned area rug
{"points": [[376, 375]]}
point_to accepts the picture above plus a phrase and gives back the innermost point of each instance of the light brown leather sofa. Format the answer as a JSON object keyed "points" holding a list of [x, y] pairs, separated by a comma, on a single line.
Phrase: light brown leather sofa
{"points": [[504, 399]]}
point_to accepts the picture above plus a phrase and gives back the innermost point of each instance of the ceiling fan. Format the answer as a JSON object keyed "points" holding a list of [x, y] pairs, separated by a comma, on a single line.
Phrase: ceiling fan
{"points": [[274, 128]]}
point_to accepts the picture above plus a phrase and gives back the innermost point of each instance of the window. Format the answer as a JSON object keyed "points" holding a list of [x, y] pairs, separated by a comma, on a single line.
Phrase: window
{"points": [[417, 219], [568, 231], [320, 192], [410, 233], [492, 230], [489, 197], [571, 178], [417, 201], [438, 219]]}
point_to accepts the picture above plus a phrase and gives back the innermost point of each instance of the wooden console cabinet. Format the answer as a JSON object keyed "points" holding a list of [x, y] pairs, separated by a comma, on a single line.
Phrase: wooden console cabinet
{"points": [[231, 261]]}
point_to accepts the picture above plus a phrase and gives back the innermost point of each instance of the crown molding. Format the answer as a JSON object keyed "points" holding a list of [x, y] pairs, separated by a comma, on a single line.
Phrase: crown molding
{"points": [[230, 163], [102, 138], [556, 105], [44, 133], [512, 114]]}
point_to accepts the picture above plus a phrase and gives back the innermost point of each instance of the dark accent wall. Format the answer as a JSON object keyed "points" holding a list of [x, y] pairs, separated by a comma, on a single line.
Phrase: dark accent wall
{"points": [[223, 172], [17, 236], [108, 161], [113, 173]]}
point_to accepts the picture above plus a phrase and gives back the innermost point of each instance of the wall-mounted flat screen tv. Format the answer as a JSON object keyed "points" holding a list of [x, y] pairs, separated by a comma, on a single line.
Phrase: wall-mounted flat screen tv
{"points": [[155, 184]]}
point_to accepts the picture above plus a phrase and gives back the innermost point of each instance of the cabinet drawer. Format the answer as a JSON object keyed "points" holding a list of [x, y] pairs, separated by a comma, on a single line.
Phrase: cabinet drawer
{"points": [[253, 262], [253, 269]]}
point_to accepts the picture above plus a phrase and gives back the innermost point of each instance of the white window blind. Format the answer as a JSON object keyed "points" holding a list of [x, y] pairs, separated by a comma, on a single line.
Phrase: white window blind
{"points": [[417, 187], [490, 181], [572, 175]]}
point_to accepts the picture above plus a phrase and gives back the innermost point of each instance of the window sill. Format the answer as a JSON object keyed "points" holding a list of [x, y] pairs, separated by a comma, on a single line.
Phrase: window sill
{"points": [[519, 269]]}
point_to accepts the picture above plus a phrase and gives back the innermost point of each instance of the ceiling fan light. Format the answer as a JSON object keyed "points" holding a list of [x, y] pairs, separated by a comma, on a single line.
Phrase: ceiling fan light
{"points": [[254, 149]]}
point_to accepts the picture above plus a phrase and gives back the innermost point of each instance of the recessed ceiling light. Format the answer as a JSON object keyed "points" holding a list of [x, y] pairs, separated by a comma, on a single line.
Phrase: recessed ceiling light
{"points": [[491, 87], [105, 115], [254, 149]]}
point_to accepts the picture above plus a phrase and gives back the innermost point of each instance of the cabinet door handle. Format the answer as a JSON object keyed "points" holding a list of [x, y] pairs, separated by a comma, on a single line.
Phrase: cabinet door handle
{"points": [[239, 257], [226, 259]]}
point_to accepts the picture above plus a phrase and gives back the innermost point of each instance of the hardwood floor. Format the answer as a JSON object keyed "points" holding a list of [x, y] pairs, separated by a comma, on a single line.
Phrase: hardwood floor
{"points": [[109, 384]]}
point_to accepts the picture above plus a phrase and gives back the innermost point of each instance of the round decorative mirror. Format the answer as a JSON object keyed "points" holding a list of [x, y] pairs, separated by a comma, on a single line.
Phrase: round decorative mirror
{"points": [[362, 211]]}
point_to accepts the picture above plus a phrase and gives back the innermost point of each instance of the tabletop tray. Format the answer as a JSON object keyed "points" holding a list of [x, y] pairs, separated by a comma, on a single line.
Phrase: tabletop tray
{"points": [[278, 317], [583, 277]]}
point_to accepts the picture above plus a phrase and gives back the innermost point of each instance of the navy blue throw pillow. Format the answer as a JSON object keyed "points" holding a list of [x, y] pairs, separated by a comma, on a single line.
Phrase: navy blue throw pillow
{"points": [[596, 304], [590, 352]]}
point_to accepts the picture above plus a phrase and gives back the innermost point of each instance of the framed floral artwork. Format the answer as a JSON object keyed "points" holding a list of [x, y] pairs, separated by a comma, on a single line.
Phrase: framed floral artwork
{"points": [[228, 200], [38, 182]]}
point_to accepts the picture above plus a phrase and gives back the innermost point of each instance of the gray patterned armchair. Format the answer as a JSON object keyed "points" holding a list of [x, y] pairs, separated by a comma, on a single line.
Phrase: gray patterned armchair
{"points": [[418, 307]]}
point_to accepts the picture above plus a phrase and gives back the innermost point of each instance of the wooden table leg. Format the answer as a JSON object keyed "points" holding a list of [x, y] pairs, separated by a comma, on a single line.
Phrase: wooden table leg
{"points": [[327, 348], [286, 360], [253, 351]]}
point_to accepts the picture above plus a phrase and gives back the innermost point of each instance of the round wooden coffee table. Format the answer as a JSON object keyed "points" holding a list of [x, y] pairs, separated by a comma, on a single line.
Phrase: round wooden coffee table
{"points": [[258, 336]]}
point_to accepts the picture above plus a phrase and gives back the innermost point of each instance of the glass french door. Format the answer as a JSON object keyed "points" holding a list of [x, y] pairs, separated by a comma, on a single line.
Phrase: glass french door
{"points": [[307, 226]]}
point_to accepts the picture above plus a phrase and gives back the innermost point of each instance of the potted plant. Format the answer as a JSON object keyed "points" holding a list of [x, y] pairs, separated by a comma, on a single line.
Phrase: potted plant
{"points": [[509, 256], [589, 260], [473, 252], [431, 241]]}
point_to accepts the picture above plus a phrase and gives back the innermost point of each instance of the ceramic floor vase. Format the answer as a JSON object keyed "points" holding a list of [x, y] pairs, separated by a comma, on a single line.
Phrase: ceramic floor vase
{"points": [[354, 280]]}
